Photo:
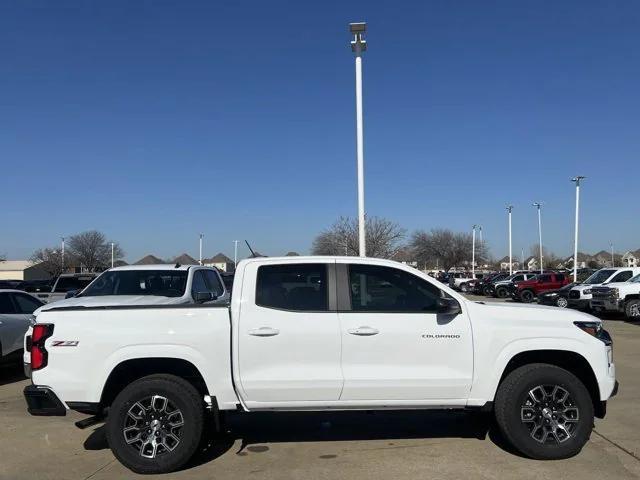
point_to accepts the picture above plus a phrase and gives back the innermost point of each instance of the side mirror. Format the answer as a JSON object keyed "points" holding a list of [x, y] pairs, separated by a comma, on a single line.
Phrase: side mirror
{"points": [[202, 297], [448, 306], [72, 293]]}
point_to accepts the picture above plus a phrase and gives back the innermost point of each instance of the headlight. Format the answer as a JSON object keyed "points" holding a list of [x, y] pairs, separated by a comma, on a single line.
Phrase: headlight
{"points": [[615, 293], [587, 291], [552, 294], [595, 330]]}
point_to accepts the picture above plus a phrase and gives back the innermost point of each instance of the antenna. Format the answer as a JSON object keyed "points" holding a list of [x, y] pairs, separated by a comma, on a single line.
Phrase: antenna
{"points": [[253, 254]]}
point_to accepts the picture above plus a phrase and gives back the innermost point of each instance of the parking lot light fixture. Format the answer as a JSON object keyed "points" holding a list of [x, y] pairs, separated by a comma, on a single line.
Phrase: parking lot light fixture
{"points": [[576, 180], [510, 209], [62, 255], [473, 252], [538, 205], [358, 46]]}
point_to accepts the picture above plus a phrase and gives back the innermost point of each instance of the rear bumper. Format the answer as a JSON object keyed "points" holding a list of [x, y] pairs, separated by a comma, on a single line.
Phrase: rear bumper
{"points": [[42, 401]]}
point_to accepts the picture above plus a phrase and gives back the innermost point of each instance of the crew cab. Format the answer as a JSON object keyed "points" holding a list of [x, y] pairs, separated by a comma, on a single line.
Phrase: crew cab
{"points": [[320, 333], [527, 290], [580, 296], [618, 297], [164, 284]]}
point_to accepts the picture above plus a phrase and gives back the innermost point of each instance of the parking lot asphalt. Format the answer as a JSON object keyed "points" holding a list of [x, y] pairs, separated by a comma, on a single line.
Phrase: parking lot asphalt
{"points": [[354, 445]]}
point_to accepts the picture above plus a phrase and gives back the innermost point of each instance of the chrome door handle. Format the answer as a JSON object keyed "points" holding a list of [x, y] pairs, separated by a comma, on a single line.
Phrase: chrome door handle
{"points": [[364, 331], [264, 332]]}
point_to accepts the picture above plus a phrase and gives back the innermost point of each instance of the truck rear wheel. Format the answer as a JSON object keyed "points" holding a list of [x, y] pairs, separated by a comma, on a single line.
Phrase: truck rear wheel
{"points": [[527, 296], [632, 309], [155, 424], [544, 411]]}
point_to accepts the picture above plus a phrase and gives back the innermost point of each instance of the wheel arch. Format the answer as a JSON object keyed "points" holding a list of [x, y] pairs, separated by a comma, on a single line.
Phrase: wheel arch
{"points": [[133, 369], [569, 360]]}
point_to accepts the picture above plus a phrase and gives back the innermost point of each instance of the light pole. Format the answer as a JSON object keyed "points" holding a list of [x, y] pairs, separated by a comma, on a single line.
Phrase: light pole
{"points": [[575, 238], [62, 254], [473, 252], [538, 205], [235, 254], [613, 259], [509, 209], [111, 254], [200, 259], [358, 46]]}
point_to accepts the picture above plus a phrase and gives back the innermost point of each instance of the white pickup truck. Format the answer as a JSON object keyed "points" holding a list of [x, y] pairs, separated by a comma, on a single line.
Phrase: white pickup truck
{"points": [[621, 297], [320, 333]]}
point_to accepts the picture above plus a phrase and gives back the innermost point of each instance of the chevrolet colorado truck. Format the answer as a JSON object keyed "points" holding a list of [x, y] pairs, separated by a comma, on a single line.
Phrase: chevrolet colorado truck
{"points": [[618, 297], [320, 333]]}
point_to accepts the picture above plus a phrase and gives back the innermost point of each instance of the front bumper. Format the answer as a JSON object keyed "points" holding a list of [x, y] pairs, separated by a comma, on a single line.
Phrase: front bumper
{"points": [[611, 304], [579, 303], [42, 401]]}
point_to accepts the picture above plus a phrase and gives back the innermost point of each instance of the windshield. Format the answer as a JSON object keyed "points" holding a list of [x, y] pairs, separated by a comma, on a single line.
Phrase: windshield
{"points": [[161, 283], [599, 277]]}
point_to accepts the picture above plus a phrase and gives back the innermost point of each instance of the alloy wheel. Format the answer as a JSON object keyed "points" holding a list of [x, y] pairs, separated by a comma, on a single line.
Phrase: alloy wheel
{"points": [[550, 414], [562, 302], [153, 426]]}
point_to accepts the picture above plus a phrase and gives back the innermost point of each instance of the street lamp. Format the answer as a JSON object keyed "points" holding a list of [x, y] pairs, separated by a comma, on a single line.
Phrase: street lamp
{"points": [[358, 46], [575, 241], [200, 260], [235, 254], [613, 260], [538, 205], [111, 254], [62, 254], [509, 209], [473, 252]]}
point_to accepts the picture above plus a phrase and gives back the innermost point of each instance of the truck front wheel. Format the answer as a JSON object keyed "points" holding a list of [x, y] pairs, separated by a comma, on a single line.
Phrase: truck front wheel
{"points": [[632, 309], [544, 411], [155, 424]]}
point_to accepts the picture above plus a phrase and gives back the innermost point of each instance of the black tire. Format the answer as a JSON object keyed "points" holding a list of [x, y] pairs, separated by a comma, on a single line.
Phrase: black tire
{"points": [[632, 309], [527, 296], [179, 393], [487, 291], [511, 407], [464, 288], [502, 292], [562, 302]]}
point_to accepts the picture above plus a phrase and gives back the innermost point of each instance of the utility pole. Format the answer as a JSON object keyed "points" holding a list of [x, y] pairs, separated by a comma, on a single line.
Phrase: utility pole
{"points": [[538, 205], [509, 209], [235, 254], [575, 241], [111, 254], [613, 259], [358, 46], [200, 260]]}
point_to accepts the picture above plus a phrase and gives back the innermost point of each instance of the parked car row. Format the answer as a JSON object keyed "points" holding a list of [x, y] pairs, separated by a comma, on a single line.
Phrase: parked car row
{"points": [[605, 290]]}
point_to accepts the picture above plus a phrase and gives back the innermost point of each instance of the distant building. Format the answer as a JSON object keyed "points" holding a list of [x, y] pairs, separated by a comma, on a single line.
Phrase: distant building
{"points": [[504, 264], [185, 259], [22, 270], [221, 262], [531, 264], [149, 260], [292, 254], [631, 259]]}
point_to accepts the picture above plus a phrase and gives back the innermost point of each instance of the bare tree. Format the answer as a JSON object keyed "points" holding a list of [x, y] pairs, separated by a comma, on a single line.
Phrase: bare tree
{"points": [[445, 248], [92, 250], [383, 238], [50, 259]]}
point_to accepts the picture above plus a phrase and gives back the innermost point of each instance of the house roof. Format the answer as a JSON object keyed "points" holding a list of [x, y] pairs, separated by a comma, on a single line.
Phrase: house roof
{"points": [[149, 260], [292, 254], [185, 259], [10, 265], [219, 258]]}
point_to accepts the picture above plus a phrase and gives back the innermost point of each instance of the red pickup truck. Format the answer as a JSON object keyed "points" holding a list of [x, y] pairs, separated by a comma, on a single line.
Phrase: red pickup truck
{"points": [[528, 290]]}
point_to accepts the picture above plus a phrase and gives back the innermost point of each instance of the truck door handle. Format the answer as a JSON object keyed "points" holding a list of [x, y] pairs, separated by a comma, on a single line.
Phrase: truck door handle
{"points": [[264, 332], [364, 331]]}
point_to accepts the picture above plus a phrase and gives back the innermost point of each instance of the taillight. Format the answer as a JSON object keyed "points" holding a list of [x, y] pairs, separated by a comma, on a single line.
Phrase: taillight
{"points": [[39, 356]]}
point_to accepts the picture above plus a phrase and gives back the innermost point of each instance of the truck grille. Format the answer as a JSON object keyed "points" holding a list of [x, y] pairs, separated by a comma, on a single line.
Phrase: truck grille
{"points": [[601, 292], [574, 294]]}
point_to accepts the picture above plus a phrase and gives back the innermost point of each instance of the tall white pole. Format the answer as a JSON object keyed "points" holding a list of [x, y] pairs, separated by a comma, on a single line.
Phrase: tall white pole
{"points": [[358, 45], [509, 209], [235, 254], [473, 253], [538, 205], [62, 254], [522, 256], [111, 254], [575, 239], [200, 256], [613, 260]]}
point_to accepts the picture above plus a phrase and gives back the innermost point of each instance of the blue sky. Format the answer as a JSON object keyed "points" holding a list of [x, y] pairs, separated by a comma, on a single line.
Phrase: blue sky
{"points": [[154, 121]]}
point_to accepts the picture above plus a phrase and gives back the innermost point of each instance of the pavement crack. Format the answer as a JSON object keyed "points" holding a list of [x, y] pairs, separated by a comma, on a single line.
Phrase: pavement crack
{"points": [[617, 445], [100, 469]]}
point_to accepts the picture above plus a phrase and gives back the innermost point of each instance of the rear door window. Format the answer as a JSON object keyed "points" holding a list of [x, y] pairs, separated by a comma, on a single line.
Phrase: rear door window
{"points": [[26, 303], [622, 276], [298, 287]]}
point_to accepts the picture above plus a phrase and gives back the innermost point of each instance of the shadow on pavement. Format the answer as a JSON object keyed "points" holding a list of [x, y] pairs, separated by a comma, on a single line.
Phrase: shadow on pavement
{"points": [[257, 430], [11, 372]]}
